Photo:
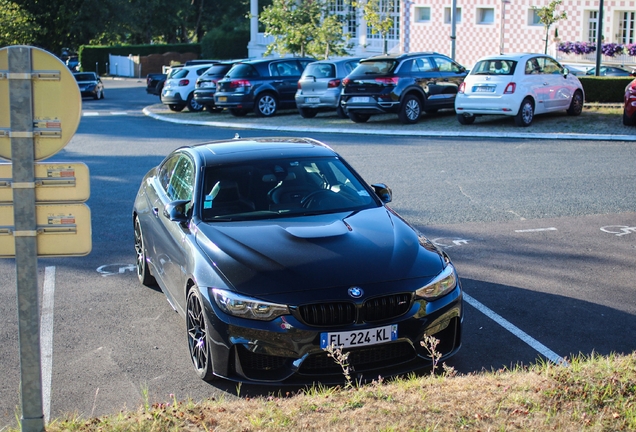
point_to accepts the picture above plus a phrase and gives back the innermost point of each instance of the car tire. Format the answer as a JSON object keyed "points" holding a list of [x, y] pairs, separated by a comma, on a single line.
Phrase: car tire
{"points": [[576, 105], [526, 113], [192, 104], [238, 112], [176, 107], [340, 112], [197, 325], [265, 105], [627, 120], [143, 270], [307, 112], [358, 118], [465, 119], [411, 110]]}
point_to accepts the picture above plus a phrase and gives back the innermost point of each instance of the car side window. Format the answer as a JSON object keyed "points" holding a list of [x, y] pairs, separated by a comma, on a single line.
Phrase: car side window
{"points": [[288, 68], [551, 66], [166, 170], [445, 65], [532, 67], [182, 180], [422, 65]]}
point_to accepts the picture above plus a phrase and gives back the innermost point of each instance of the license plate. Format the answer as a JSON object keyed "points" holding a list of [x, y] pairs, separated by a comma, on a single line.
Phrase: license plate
{"points": [[222, 99], [360, 99], [350, 339], [312, 100], [483, 89]]}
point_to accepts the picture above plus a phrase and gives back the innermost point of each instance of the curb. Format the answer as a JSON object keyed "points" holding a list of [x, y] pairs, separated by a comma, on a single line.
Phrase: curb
{"points": [[394, 132]]}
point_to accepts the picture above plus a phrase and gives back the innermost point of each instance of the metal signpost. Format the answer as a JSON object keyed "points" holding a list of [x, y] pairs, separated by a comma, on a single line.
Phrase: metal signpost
{"points": [[41, 205]]}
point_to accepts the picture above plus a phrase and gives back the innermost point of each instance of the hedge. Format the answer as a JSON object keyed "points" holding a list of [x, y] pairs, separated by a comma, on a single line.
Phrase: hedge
{"points": [[604, 89], [93, 57]]}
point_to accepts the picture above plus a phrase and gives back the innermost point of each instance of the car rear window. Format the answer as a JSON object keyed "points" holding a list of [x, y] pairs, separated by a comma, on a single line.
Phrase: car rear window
{"points": [[218, 70], [243, 70], [375, 67], [321, 70], [494, 67], [181, 73]]}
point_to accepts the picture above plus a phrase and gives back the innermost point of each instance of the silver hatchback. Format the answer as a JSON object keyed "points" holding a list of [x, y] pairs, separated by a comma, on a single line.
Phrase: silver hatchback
{"points": [[320, 85]]}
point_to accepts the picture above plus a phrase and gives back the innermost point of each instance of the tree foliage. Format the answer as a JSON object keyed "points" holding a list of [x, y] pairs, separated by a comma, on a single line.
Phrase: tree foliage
{"points": [[17, 26], [377, 14], [548, 15], [304, 27]]}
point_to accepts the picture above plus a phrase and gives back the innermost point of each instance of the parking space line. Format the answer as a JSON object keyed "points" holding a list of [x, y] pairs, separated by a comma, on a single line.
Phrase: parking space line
{"points": [[535, 344], [536, 230], [46, 339]]}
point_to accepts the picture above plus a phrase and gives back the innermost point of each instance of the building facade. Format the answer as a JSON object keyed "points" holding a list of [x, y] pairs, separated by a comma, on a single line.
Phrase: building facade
{"points": [[484, 27]]}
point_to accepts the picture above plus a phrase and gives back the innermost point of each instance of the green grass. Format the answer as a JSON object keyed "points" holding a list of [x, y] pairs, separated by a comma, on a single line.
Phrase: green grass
{"points": [[592, 393]]}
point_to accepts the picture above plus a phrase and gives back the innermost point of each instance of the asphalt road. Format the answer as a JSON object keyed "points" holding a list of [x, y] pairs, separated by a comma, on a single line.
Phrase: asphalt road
{"points": [[543, 234]]}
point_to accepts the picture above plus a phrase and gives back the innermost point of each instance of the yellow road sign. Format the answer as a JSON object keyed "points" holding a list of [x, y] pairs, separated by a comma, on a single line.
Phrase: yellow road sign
{"points": [[57, 103], [54, 182], [62, 230]]}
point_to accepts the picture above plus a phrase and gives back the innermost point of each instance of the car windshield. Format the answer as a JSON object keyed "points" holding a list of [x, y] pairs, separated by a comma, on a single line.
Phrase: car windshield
{"points": [[374, 67], [494, 67], [282, 188], [85, 77]]}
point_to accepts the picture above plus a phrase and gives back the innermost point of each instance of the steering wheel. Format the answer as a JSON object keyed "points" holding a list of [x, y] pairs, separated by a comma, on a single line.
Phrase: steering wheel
{"points": [[308, 200]]}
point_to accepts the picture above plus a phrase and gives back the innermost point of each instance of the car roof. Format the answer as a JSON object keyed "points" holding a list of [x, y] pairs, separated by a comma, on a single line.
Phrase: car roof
{"points": [[513, 56], [253, 149], [402, 56], [337, 61], [269, 60]]}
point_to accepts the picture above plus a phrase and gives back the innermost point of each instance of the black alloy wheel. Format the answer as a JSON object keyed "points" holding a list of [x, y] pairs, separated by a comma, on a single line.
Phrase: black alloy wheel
{"points": [[193, 105], [410, 110], [198, 342], [576, 105], [307, 112], [143, 271], [465, 119]]}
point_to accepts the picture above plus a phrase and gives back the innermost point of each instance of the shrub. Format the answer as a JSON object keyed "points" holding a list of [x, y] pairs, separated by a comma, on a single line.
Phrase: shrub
{"points": [[221, 44]]}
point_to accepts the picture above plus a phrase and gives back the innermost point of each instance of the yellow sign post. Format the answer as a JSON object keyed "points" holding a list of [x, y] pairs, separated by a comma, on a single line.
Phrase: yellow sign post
{"points": [[40, 108]]}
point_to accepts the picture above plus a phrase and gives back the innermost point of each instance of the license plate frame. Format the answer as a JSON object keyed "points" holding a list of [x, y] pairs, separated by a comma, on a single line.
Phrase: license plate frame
{"points": [[360, 99], [222, 99], [312, 100], [359, 338]]}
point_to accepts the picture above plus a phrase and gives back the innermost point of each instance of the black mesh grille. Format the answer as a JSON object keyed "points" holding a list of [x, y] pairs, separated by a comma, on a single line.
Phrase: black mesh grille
{"points": [[361, 359], [382, 308], [328, 314], [254, 362]]}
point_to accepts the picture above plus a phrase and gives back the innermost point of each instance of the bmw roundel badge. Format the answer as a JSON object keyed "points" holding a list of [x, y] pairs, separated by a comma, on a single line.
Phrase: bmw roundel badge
{"points": [[356, 292]]}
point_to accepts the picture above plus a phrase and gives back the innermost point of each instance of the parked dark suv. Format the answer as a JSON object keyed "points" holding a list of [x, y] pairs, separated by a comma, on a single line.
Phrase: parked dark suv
{"points": [[405, 84], [206, 85], [263, 86]]}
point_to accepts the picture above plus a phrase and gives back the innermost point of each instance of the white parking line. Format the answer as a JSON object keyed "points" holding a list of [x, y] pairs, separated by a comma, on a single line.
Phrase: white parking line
{"points": [[538, 346], [536, 230], [46, 339]]}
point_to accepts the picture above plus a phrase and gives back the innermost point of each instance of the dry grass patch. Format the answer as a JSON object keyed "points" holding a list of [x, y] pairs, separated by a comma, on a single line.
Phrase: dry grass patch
{"points": [[591, 394]]}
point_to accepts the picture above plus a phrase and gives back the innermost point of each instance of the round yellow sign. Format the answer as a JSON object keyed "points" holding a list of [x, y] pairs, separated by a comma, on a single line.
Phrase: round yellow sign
{"points": [[55, 98]]}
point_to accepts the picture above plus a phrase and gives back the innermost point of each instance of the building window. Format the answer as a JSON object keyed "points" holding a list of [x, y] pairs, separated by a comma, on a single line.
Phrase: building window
{"points": [[626, 27], [485, 15], [423, 14], [447, 15], [347, 13], [592, 23], [533, 18]]}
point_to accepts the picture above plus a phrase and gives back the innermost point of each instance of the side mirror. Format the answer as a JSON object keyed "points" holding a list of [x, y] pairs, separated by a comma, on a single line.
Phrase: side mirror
{"points": [[566, 72], [176, 211], [383, 192]]}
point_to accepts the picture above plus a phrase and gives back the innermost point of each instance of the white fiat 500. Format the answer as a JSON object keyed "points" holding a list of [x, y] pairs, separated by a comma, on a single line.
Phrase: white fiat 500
{"points": [[519, 85]]}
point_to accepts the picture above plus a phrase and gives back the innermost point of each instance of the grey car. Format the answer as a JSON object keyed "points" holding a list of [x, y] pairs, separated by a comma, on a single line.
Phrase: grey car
{"points": [[320, 85]]}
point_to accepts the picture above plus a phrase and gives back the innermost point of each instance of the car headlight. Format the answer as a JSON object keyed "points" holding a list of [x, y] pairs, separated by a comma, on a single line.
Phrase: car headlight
{"points": [[247, 307], [441, 285]]}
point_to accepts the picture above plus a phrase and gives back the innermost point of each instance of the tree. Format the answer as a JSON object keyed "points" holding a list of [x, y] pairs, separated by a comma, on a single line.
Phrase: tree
{"points": [[377, 14], [17, 26], [304, 27], [548, 16]]}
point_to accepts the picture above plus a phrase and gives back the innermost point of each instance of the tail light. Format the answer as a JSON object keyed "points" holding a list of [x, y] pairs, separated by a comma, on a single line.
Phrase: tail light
{"points": [[462, 87], [184, 82], [333, 83], [237, 84], [346, 82], [387, 80], [510, 88], [631, 91]]}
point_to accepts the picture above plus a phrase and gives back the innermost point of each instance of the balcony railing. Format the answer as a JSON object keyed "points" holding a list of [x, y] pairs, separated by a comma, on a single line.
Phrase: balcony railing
{"points": [[619, 60]]}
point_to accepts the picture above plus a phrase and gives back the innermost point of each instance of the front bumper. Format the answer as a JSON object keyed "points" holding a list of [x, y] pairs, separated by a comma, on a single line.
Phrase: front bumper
{"points": [[287, 351]]}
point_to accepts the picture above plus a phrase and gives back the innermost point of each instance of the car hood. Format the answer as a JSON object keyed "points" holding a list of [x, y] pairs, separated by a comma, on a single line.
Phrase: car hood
{"points": [[306, 253]]}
